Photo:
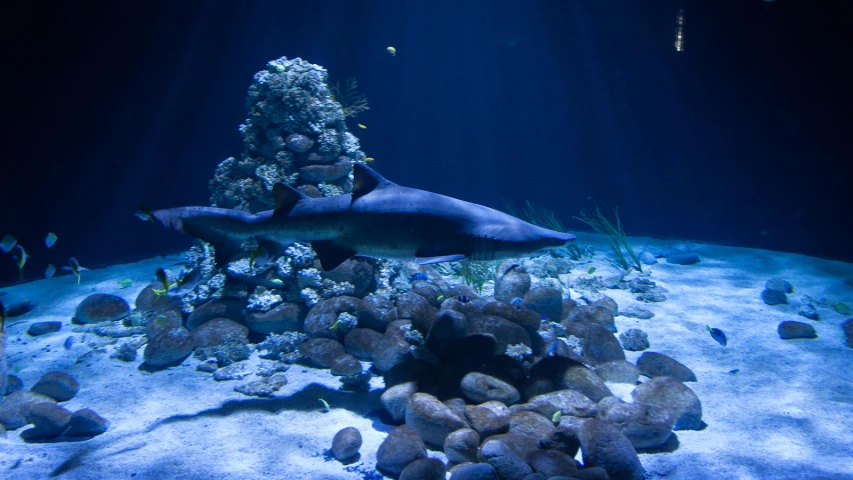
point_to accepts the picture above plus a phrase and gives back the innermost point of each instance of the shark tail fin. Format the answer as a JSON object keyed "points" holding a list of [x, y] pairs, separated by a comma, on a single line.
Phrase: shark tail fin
{"points": [[195, 221]]}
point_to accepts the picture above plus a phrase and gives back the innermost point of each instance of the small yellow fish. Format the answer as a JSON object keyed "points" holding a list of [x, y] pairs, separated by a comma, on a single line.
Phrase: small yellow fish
{"points": [[361, 125], [392, 51], [369, 159]]}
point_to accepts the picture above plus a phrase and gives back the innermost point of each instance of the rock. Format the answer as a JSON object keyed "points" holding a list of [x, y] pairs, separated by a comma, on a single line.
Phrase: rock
{"points": [[475, 471], [219, 331], [357, 272], [57, 385], [636, 311], [530, 424], [674, 397], [163, 322], [392, 348], [847, 328], [808, 310], [101, 307], [13, 384], [483, 388], [570, 402], [774, 297], [43, 328], [585, 381], [686, 258], [168, 348], [326, 173], [235, 371], [424, 469], [360, 342], [322, 316], [461, 445], [779, 285], [505, 332], [395, 399], [299, 143], [546, 301], [431, 419], [321, 351], [284, 317], [86, 423], [448, 327], [600, 345], [634, 340], [345, 365], [592, 473], [563, 439], [511, 281], [416, 309], [790, 329], [401, 447], [645, 426], [552, 463], [48, 419], [346, 443], [14, 407], [510, 467], [619, 371], [488, 418], [382, 313], [647, 258], [603, 445], [231, 308], [653, 364], [588, 315], [264, 387]]}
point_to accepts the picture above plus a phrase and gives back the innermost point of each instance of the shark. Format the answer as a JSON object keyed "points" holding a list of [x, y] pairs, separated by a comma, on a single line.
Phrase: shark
{"points": [[379, 219]]}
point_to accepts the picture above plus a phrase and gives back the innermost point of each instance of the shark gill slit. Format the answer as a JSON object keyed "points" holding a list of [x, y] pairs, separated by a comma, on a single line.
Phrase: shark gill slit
{"points": [[483, 249]]}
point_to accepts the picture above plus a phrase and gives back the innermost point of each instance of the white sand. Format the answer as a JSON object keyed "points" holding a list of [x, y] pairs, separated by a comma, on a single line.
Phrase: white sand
{"points": [[786, 414]]}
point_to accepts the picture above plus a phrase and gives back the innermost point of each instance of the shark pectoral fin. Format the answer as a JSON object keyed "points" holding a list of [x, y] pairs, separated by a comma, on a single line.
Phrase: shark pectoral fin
{"points": [[224, 249], [439, 259], [331, 254], [365, 180], [285, 198]]}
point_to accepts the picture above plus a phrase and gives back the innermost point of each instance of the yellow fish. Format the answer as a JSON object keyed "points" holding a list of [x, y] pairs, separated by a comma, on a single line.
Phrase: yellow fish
{"points": [[392, 51], [369, 159], [361, 125]]}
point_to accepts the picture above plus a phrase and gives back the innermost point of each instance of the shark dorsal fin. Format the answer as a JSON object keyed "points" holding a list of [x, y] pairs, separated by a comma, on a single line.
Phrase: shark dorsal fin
{"points": [[285, 198], [365, 180]]}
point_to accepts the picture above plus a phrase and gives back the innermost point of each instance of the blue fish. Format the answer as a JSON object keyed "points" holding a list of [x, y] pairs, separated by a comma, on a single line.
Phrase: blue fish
{"points": [[517, 302], [552, 349], [463, 299], [718, 335], [419, 276], [50, 239]]}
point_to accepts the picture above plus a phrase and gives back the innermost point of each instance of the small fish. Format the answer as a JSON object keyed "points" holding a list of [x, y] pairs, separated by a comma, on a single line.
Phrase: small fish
{"points": [[21, 260], [126, 283], [440, 298], [590, 271], [543, 317], [326, 406], [517, 302], [277, 282], [49, 271], [188, 281], [69, 342], [419, 276], [50, 239], [553, 348], [392, 51], [718, 335], [75, 268], [19, 308], [259, 256], [369, 159], [463, 299], [557, 416], [362, 126], [163, 278], [733, 371], [8, 243], [145, 214], [841, 308]]}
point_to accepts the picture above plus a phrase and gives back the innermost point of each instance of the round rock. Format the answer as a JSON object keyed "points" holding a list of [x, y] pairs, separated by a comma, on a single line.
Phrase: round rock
{"points": [[57, 385], [653, 364], [168, 348], [461, 445], [101, 307], [484, 388], [401, 447], [86, 423], [431, 419], [322, 351], [346, 443], [603, 445], [790, 329], [674, 397], [424, 469]]}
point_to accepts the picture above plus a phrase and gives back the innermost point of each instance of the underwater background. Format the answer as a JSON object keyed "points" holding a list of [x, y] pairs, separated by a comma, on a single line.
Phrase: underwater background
{"points": [[740, 138]]}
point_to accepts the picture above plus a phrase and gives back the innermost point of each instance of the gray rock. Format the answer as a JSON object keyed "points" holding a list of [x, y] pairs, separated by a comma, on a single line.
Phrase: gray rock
{"points": [[264, 387], [416, 309], [504, 444], [512, 281], [619, 371], [600, 345], [552, 463], [86, 423], [647, 258], [683, 258], [475, 471], [808, 310], [219, 331], [222, 308], [449, 326], [530, 424], [345, 365], [13, 384], [585, 381], [546, 301], [326, 173], [401, 447], [235, 371], [779, 284], [634, 340], [603, 445], [357, 272], [653, 364], [393, 347], [162, 322], [636, 311], [773, 297], [57, 385], [510, 467], [431, 419], [321, 318], [360, 342], [674, 397], [321, 351], [645, 426], [505, 331], [346, 443], [790, 329], [570, 402], [488, 418], [101, 307], [299, 143], [564, 439], [483, 388], [461, 445], [43, 328], [591, 315], [424, 469], [395, 399], [168, 348], [284, 317], [48, 419]]}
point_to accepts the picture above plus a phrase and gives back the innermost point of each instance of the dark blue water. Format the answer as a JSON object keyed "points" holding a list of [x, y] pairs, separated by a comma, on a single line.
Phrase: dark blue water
{"points": [[741, 139]]}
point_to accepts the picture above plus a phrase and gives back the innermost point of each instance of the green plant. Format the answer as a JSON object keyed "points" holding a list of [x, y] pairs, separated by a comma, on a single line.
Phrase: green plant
{"points": [[352, 102], [536, 215], [611, 229]]}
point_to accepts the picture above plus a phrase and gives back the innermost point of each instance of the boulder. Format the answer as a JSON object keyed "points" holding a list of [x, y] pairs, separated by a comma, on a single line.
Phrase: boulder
{"points": [[645, 426], [424, 469], [790, 329], [401, 447], [168, 348], [603, 445], [101, 307], [653, 364], [461, 445], [431, 419], [483, 388], [674, 397], [346, 443]]}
